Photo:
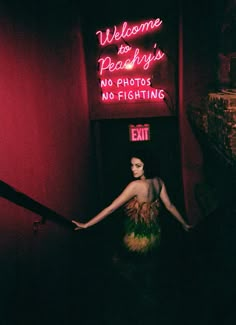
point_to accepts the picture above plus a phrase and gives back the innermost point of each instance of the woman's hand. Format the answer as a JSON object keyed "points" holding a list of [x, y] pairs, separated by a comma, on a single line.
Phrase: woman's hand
{"points": [[79, 225], [187, 227]]}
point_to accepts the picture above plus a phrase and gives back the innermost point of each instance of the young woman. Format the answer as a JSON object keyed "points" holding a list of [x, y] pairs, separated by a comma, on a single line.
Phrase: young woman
{"points": [[142, 199]]}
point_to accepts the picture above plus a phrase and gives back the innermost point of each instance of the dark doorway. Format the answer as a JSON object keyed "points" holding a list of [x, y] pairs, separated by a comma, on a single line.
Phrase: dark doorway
{"points": [[113, 146]]}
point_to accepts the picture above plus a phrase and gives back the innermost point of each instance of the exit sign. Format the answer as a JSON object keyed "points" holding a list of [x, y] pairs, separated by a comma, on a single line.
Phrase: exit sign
{"points": [[139, 132]]}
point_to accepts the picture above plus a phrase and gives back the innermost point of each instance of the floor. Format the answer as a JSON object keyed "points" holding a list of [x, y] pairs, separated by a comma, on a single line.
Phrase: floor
{"points": [[193, 281]]}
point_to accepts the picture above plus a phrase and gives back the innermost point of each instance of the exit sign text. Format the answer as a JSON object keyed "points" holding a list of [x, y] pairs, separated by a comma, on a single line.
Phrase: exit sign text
{"points": [[139, 132]]}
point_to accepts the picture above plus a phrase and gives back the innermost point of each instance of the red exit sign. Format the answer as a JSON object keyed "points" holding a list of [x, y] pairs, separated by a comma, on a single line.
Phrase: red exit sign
{"points": [[139, 132]]}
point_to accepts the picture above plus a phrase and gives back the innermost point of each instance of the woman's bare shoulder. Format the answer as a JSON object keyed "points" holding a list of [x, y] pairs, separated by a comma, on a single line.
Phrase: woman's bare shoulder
{"points": [[132, 184]]}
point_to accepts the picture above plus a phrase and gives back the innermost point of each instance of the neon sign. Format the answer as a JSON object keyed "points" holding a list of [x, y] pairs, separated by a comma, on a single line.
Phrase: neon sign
{"points": [[129, 89], [124, 70], [139, 132], [106, 64], [127, 32]]}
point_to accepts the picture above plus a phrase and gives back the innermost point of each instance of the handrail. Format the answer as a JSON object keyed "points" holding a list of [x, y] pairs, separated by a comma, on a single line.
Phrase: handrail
{"points": [[21, 199]]}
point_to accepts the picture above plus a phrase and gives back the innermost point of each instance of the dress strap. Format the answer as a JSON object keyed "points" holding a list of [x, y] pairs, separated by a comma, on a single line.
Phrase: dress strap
{"points": [[159, 183]]}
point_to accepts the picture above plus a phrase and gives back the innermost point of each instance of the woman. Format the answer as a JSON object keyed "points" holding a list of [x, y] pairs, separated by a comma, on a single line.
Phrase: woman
{"points": [[142, 198]]}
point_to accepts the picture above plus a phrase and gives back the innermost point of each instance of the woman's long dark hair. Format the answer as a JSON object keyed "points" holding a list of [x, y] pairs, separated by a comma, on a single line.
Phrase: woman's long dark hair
{"points": [[151, 162]]}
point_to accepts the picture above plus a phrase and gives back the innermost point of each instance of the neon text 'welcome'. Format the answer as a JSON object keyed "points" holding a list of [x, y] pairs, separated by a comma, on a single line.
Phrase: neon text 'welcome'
{"points": [[126, 31]]}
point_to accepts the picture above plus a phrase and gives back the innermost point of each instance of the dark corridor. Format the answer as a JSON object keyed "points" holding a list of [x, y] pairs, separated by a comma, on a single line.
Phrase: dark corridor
{"points": [[113, 145]]}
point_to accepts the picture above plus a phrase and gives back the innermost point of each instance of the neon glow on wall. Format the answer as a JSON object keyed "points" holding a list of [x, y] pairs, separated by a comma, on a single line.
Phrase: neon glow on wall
{"points": [[125, 68]]}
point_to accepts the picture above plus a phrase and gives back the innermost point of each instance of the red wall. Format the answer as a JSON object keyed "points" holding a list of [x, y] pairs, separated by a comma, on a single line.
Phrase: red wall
{"points": [[44, 150], [44, 118]]}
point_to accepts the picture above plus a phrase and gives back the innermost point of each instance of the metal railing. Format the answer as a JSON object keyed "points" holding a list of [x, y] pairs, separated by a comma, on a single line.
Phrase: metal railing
{"points": [[13, 195]]}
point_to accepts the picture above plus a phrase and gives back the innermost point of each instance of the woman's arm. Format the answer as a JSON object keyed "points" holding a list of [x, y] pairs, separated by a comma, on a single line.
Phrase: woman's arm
{"points": [[171, 208], [125, 196]]}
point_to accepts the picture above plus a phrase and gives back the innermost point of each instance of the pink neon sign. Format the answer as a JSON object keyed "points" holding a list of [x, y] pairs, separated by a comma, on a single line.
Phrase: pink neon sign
{"points": [[136, 59], [127, 31], [133, 95], [129, 89], [126, 82], [124, 74]]}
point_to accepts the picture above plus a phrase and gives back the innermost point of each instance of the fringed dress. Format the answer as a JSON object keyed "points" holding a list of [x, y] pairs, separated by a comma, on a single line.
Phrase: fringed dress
{"points": [[142, 226]]}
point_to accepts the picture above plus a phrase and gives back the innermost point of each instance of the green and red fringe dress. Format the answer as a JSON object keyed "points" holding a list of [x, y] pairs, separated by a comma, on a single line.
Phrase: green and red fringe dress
{"points": [[142, 227]]}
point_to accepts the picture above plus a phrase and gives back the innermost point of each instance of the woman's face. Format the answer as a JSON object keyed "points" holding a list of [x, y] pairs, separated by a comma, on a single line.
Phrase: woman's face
{"points": [[137, 167]]}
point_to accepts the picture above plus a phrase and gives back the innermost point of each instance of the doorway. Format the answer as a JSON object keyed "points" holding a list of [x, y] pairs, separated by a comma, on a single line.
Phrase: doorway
{"points": [[113, 145]]}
